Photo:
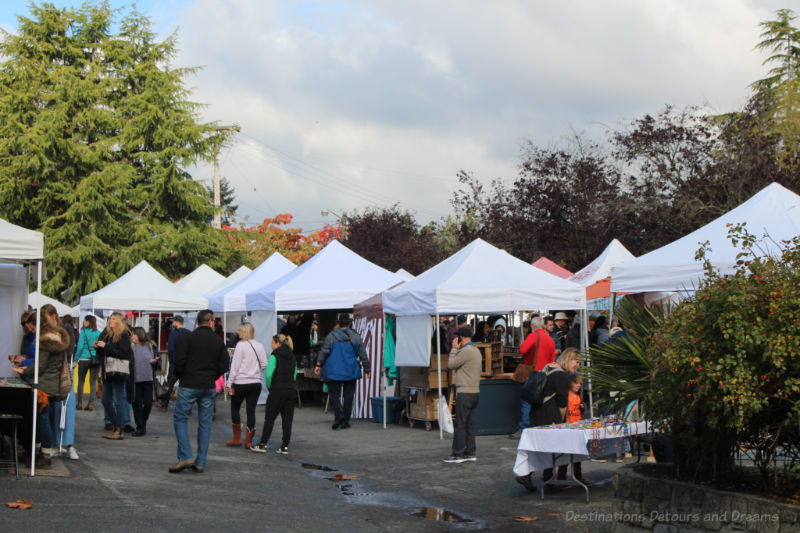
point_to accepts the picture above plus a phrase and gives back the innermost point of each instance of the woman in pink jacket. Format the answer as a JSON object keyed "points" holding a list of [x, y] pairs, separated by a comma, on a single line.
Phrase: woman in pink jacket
{"points": [[244, 383]]}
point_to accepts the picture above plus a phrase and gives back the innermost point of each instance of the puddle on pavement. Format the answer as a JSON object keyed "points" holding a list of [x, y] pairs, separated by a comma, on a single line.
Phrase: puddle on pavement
{"points": [[440, 515], [312, 466], [349, 489]]}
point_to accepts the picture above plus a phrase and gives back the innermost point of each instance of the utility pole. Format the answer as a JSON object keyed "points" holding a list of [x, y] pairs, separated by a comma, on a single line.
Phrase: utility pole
{"points": [[217, 193]]}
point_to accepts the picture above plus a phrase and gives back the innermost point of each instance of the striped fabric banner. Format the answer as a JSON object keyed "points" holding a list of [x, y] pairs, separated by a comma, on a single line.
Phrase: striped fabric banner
{"points": [[371, 331]]}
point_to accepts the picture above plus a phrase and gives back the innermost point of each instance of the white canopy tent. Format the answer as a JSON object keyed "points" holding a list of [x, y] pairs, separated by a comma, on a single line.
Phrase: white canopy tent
{"points": [[773, 212], [201, 281], [21, 246], [232, 297], [36, 300], [142, 289], [404, 273], [596, 275], [615, 254], [335, 278], [478, 278], [485, 279], [240, 273]]}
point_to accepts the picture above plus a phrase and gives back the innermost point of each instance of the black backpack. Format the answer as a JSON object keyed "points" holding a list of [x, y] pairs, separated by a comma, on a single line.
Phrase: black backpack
{"points": [[533, 389]]}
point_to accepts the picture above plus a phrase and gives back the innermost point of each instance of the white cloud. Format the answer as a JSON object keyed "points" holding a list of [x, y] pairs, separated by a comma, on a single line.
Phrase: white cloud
{"points": [[386, 101]]}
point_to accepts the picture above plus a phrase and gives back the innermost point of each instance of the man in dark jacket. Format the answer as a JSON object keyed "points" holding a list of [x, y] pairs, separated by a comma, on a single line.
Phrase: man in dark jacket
{"points": [[200, 359], [175, 336], [341, 370]]}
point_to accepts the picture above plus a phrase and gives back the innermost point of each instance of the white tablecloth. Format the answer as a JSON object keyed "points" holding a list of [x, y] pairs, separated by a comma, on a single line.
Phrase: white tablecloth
{"points": [[537, 445]]}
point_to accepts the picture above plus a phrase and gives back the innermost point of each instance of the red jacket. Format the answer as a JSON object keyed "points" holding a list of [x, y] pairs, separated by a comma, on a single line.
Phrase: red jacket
{"points": [[546, 353]]}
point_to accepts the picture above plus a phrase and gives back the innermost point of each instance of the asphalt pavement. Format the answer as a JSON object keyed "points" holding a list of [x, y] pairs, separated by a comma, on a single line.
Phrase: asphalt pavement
{"points": [[401, 484]]}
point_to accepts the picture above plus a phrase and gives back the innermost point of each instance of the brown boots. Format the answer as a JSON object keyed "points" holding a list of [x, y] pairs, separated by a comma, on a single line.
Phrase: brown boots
{"points": [[237, 436], [115, 434], [79, 405], [248, 439]]}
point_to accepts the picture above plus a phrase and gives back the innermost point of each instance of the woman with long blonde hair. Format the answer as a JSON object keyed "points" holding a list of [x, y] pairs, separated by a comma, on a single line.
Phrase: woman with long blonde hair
{"points": [[244, 383], [117, 356]]}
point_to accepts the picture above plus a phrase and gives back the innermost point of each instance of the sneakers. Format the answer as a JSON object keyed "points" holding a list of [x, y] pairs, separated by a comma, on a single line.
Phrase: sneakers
{"points": [[128, 428], [72, 453], [283, 450], [468, 457], [260, 448], [455, 459], [180, 466], [336, 424]]}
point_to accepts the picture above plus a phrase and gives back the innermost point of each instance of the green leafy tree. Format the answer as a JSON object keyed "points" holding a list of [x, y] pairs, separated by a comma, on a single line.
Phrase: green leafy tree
{"points": [[96, 133]]}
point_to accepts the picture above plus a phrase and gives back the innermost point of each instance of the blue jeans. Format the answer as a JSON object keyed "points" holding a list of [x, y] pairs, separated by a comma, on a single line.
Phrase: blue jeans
{"points": [[525, 421], [108, 399], [115, 402], [205, 411], [44, 427], [69, 423]]}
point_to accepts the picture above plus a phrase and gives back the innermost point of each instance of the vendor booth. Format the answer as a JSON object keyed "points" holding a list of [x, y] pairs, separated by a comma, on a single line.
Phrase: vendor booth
{"points": [[773, 212], [19, 249], [478, 279], [334, 280]]}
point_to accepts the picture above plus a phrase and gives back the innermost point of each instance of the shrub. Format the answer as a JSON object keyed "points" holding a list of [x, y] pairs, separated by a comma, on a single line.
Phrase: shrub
{"points": [[726, 372]]}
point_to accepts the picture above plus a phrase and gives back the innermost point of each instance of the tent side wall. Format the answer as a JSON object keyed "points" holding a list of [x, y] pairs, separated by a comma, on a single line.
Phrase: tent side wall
{"points": [[13, 302], [368, 322]]}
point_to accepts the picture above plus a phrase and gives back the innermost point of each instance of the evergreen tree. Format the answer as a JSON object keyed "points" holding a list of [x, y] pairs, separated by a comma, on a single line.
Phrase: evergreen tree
{"points": [[96, 133], [227, 195]]}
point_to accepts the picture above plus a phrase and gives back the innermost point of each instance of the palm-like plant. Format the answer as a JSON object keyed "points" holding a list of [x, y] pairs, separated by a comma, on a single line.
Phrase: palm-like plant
{"points": [[623, 365]]}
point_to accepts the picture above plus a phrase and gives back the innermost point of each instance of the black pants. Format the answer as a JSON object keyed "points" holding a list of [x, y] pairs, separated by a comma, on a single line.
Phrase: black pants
{"points": [[142, 403], [341, 394], [464, 423], [250, 393], [83, 368], [279, 401]]}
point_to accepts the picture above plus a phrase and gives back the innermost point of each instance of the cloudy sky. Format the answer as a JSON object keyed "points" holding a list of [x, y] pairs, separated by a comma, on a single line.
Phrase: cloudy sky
{"points": [[349, 104]]}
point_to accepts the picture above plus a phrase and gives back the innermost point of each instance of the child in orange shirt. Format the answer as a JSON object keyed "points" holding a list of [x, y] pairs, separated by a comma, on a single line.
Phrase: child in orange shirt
{"points": [[575, 411]]}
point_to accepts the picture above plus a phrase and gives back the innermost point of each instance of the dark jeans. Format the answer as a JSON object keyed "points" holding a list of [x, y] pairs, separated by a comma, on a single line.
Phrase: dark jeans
{"points": [[44, 425], [83, 368], [250, 393], [142, 403], [279, 401], [342, 409], [464, 435]]}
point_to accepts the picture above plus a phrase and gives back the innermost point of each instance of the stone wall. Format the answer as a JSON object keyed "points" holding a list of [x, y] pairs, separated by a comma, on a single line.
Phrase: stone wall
{"points": [[643, 503]]}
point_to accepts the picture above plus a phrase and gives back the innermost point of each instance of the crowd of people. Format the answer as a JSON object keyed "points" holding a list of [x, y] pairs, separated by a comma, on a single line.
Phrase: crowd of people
{"points": [[122, 361]]}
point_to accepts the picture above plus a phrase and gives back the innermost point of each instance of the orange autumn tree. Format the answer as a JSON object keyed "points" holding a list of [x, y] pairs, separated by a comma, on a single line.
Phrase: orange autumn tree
{"points": [[256, 244]]}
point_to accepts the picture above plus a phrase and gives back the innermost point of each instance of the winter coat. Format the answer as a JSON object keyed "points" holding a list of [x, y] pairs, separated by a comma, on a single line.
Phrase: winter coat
{"points": [[53, 343]]}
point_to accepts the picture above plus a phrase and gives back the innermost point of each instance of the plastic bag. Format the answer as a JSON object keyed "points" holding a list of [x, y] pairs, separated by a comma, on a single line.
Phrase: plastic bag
{"points": [[445, 419]]}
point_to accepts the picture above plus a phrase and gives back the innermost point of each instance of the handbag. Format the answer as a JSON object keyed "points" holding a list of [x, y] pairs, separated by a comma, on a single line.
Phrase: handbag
{"points": [[65, 378], [117, 368], [522, 371]]}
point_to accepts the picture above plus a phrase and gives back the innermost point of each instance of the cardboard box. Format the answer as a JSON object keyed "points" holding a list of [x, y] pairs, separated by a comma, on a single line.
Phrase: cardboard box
{"points": [[424, 378], [424, 410], [434, 360]]}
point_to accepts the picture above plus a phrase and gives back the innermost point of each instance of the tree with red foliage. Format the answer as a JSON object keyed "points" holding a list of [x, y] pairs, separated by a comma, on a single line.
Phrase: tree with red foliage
{"points": [[255, 244]]}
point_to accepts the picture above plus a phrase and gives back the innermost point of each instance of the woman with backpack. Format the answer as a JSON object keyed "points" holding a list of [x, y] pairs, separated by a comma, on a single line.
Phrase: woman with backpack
{"points": [[551, 408], [244, 383]]}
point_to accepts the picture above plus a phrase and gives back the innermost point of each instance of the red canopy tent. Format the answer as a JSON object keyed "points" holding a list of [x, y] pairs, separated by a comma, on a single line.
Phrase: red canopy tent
{"points": [[550, 267]]}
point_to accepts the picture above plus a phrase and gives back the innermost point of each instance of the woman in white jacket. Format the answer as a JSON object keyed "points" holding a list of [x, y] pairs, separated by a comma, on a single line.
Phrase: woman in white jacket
{"points": [[244, 383]]}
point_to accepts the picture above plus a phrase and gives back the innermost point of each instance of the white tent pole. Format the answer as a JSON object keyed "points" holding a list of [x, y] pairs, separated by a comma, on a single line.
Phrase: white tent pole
{"points": [[611, 312], [36, 365], [158, 340], [587, 358], [382, 382], [439, 368]]}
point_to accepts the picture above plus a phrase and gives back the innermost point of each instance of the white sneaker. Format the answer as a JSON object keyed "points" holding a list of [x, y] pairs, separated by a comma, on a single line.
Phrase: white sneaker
{"points": [[54, 452], [72, 453]]}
